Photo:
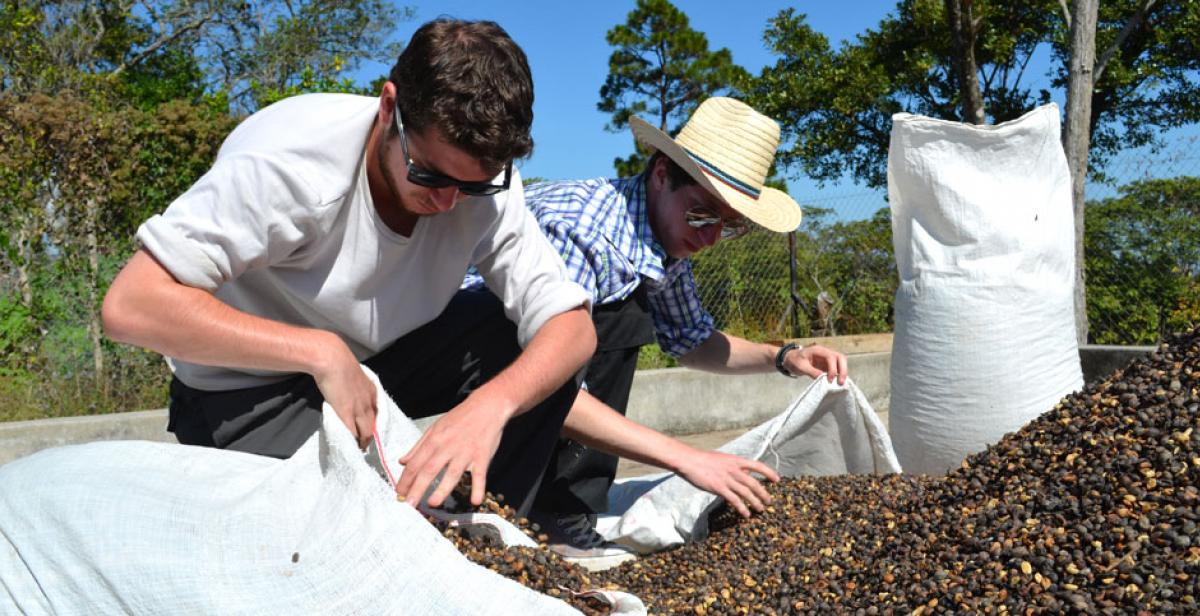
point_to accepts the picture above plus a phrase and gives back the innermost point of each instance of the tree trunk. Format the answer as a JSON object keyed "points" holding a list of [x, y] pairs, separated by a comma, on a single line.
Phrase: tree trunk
{"points": [[1077, 137], [93, 276], [962, 23], [24, 262]]}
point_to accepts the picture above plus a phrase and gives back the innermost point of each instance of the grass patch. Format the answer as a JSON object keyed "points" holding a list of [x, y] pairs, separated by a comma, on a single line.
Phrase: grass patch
{"points": [[650, 357], [27, 397]]}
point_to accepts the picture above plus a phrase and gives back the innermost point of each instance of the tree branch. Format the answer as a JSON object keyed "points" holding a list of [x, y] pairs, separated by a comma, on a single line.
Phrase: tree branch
{"points": [[1066, 12], [1023, 65], [1131, 24], [879, 135], [163, 39]]}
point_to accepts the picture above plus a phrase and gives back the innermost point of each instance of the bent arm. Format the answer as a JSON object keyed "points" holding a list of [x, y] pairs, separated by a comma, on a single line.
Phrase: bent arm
{"points": [[557, 351], [147, 307]]}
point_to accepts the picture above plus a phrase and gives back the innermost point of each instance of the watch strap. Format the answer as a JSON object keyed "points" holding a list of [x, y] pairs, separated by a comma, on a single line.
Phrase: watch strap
{"points": [[779, 356]]}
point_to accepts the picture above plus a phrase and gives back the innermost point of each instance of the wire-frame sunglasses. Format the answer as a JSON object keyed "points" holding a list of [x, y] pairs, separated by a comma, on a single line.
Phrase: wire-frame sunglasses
{"points": [[433, 179], [731, 228]]}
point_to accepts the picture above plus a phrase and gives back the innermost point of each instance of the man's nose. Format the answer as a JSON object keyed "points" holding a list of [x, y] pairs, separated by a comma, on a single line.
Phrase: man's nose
{"points": [[444, 198], [710, 234]]}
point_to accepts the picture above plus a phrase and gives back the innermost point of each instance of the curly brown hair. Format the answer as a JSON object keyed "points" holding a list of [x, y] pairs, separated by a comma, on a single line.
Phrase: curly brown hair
{"points": [[471, 81]]}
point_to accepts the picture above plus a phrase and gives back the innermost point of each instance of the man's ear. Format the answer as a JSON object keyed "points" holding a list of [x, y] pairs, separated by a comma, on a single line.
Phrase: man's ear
{"points": [[658, 173], [387, 105]]}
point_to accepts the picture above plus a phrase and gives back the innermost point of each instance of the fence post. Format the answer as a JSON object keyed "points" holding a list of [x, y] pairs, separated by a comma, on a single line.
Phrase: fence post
{"points": [[795, 293]]}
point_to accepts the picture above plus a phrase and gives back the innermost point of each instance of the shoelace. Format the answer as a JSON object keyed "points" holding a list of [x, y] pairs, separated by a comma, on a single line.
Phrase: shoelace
{"points": [[581, 531]]}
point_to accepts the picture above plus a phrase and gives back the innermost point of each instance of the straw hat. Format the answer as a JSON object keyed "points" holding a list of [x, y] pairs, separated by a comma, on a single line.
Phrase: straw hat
{"points": [[728, 147]]}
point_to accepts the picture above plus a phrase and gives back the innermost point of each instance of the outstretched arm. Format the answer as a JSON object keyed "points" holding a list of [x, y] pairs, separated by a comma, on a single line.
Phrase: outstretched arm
{"points": [[594, 424], [728, 354]]}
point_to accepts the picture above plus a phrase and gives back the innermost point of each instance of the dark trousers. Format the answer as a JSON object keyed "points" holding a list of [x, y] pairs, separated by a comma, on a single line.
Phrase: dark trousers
{"points": [[428, 371], [578, 478]]}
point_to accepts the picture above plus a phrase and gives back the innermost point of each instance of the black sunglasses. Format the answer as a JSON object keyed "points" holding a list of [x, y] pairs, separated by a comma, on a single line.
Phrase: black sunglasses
{"points": [[433, 179], [700, 217]]}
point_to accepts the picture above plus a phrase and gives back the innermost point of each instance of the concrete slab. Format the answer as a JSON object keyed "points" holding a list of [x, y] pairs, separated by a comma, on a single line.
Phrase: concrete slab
{"points": [[683, 401], [849, 345], [705, 440], [21, 438], [674, 400]]}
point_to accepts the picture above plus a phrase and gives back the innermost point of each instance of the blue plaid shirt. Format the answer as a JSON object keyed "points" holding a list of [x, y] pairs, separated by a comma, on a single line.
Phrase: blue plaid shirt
{"points": [[602, 231]]}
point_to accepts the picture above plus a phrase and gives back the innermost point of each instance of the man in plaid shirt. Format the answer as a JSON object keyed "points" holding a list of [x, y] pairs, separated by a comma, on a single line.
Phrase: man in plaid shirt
{"points": [[629, 241]]}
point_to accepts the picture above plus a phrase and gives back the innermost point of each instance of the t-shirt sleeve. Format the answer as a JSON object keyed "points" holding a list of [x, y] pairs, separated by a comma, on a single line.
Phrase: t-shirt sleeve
{"points": [[247, 212], [521, 267]]}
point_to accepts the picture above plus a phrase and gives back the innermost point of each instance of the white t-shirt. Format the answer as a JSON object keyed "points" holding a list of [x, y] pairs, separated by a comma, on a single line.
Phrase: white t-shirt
{"points": [[283, 227]]}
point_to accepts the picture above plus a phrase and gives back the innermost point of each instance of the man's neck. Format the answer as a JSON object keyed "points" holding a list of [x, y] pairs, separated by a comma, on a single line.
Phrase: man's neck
{"points": [[383, 198]]}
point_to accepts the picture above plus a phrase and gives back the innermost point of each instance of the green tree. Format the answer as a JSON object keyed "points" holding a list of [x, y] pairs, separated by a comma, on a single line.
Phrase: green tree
{"points": [[847, 272], [835, 105], [937, 57], [1143, 261], [108, 111], [309, 81], [238, 50], [75, 180], [663, 67], [63, 148]]}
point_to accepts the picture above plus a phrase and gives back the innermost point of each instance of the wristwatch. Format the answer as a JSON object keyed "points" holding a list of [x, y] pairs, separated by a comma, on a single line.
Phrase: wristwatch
{"points": [[783, 351]]}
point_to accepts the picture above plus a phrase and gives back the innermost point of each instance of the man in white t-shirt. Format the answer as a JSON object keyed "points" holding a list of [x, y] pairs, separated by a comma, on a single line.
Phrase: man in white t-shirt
{"points": [[335, 229]]}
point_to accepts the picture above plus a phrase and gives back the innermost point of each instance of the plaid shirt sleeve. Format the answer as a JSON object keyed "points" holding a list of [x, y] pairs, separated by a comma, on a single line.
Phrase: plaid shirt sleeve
{"points": [[680, 322], [579, 268]]}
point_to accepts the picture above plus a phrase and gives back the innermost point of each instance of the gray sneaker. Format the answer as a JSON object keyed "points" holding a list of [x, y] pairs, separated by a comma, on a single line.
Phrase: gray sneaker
{"points": [[573, 536]]}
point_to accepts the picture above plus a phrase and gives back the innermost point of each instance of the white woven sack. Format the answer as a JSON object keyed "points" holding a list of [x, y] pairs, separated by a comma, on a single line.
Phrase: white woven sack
{"points": [[153, 528], [983, 229], [395, 434], [829, 429]]}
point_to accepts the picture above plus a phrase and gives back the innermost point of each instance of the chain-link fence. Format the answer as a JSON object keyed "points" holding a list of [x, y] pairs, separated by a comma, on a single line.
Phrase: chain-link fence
{"points": [[1142, 258], [1142, 245], [841, 282]]}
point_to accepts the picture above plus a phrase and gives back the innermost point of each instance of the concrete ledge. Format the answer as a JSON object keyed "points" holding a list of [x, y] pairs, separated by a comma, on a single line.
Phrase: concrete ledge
{"points": [[21, 438], [850, 345], [672, 400], [1100, 360], [683, 401]]}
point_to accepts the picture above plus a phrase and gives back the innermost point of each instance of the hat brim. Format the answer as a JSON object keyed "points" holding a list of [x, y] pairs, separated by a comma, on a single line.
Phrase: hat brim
{"points": [[773, 209]]}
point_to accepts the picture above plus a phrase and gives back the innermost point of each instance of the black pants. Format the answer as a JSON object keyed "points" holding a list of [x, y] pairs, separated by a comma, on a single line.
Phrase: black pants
{"points": [[578, 478], [428, 371]]}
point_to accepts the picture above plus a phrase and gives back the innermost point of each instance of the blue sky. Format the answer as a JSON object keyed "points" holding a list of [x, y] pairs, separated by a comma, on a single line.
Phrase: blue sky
{"points": [[569, 59]]}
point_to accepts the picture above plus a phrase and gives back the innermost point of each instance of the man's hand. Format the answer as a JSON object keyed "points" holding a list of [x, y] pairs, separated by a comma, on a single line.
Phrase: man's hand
{"points": [[816, 360], [467, 437], [348, 390], [728, 476], [464, 439]]}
